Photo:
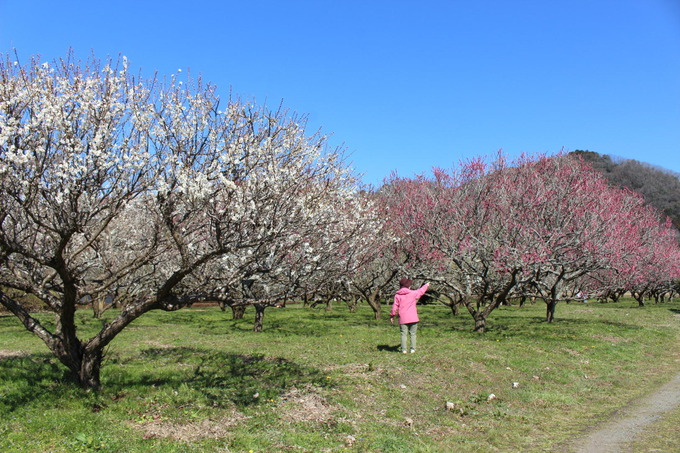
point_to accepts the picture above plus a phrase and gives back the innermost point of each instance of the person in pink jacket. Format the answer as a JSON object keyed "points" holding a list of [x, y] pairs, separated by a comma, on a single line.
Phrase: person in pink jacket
{"points": [[404, 305]]}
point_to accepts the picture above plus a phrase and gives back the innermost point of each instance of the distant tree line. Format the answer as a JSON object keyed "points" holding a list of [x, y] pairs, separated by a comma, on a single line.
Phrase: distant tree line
{"points": [[659, 187]]}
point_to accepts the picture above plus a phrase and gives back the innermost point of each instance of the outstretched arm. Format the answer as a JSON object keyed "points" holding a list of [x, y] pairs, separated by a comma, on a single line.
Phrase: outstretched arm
{"points": [[420, 291]]}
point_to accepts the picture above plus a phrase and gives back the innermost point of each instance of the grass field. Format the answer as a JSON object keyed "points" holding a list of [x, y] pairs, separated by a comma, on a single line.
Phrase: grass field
{"points": [[317, 380]]}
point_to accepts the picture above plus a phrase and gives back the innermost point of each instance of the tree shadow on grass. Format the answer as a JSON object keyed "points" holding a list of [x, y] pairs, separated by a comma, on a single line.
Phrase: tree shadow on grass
{"points": [[536, 328], [387, 348], [27, 378], [222, 378], [180, 375]]}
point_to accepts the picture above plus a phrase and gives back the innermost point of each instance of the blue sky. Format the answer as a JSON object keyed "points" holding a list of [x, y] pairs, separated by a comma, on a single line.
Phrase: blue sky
{"points": [[405, 85]]}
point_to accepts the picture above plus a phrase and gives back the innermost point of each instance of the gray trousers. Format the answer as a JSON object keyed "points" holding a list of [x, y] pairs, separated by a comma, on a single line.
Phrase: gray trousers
{"points": [[406, 331]]}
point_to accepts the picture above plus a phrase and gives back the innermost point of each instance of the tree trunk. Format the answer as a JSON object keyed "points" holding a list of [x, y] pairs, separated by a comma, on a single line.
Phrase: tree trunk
{"points": [[84, 366], [454, 309], [550, 310], [101, 304], [352, 303], [259, 317], [90, 370], [480, 322], [479, 316], [556, 291], [452, 303], [237, 311], [98, 307], [374, 303]]}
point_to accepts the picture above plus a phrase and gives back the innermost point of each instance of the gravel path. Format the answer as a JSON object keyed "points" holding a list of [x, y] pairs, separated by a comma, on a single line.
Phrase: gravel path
{"points": [[631, 421]]}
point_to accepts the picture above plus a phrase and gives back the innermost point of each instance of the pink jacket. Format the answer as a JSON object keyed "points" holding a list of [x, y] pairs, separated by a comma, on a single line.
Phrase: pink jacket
{"points": [[405, 304]]}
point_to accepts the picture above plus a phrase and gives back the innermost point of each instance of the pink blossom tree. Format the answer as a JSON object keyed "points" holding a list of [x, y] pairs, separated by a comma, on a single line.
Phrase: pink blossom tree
{"points": [[651, 266], [578, 224], [385, 257], [492, 231], [455, 224]]}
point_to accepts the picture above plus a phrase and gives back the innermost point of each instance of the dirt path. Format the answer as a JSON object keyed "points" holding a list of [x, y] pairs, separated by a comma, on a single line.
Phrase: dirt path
{"points": [[631, 421]]}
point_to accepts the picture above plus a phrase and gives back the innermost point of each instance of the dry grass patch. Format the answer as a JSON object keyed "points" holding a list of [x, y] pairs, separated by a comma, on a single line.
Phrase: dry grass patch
{"points": [[191, 431], [305, 405], [5, 354]]}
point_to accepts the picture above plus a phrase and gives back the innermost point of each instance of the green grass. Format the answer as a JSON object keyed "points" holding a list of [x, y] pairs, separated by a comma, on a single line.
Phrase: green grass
{"points": [[316, 380]]}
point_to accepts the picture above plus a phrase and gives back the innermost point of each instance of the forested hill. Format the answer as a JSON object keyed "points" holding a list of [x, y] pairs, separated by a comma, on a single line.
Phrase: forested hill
{"points": [[660, 188]]}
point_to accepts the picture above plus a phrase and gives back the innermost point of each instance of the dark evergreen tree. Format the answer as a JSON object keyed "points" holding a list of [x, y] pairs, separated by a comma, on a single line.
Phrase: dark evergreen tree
{"points": [[659, 187]]}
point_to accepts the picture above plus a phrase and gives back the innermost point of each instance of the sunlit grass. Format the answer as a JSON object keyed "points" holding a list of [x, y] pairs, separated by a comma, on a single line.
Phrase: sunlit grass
{"points": [[196, 380]]}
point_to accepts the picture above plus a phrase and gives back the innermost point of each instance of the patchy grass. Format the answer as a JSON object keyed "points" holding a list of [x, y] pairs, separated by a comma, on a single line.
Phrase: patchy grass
{"points": [[316, 380], [661, 436]]}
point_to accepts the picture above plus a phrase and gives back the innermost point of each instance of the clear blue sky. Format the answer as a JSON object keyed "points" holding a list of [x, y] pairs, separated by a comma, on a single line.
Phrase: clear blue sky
{"points": [[405, 85]]}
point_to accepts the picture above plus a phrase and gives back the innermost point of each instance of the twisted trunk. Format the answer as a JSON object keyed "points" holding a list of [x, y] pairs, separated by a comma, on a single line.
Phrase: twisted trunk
{"points": [[374, 302]]}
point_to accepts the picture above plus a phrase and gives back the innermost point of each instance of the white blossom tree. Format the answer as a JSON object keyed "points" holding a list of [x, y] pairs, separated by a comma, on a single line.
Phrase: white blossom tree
{"points": [[73, 155], [149, 191]]}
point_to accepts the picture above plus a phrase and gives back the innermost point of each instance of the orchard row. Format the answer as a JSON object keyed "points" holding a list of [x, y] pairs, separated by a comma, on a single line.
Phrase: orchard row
{"points": [[156, 194]]}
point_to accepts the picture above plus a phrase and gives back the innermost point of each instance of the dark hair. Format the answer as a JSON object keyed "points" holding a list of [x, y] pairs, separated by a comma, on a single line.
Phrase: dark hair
{"points": [[405, 283]]}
